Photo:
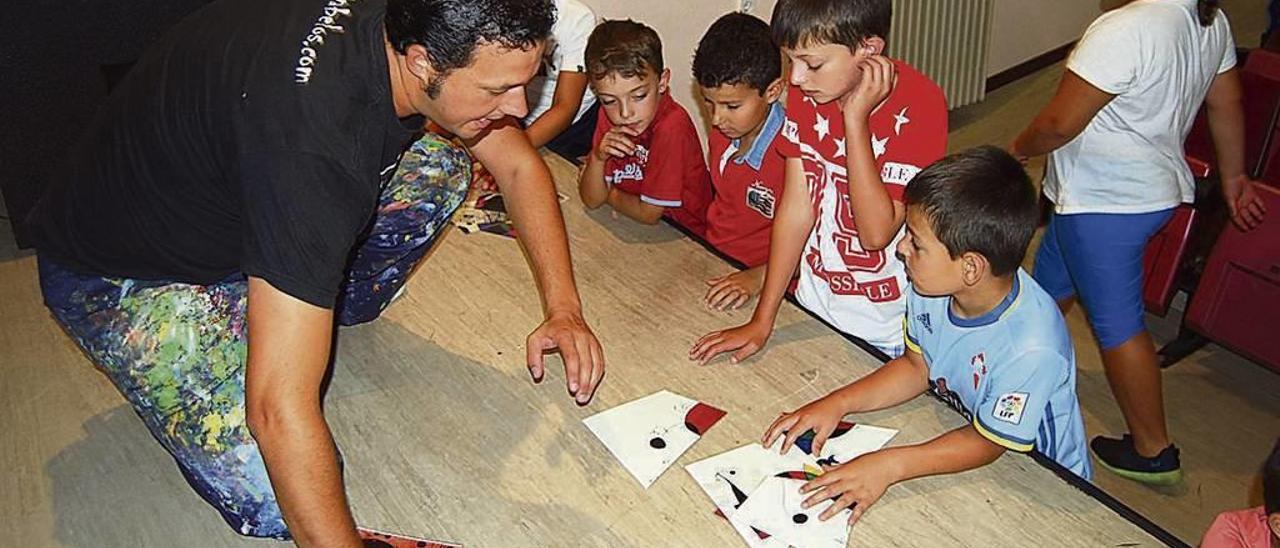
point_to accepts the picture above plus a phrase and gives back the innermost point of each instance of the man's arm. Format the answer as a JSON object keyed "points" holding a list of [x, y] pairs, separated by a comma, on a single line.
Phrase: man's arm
{"points": [[288, 355], [632, 206], [570, 87], [1067, 114], [524, 180], [1225, 107]]}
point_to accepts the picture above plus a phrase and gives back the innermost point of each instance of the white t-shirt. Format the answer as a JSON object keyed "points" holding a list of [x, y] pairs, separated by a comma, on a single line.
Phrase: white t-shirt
{"points": [[1158, 61], [565, 53]]}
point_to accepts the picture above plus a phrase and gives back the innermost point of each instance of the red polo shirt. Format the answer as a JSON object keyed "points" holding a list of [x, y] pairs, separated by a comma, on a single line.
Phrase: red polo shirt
{"points": [[667, 168], [748, 190]]}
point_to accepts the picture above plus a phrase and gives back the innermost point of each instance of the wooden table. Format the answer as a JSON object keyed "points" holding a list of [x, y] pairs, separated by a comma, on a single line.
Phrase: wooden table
{"points": [[444, 435]]}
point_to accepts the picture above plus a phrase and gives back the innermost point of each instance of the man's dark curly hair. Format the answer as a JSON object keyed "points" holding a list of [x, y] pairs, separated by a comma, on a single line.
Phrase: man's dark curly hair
{"points": [[737, 49], [450, 30]]}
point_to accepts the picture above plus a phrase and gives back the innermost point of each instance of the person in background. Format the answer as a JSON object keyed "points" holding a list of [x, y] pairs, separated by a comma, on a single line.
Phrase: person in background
{"points": [[1256, 527], [562, 113], [1114, 133]]}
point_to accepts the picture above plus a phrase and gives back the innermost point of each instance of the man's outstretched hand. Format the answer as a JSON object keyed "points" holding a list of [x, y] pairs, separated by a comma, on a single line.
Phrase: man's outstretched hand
{"points": [[569, 334]]}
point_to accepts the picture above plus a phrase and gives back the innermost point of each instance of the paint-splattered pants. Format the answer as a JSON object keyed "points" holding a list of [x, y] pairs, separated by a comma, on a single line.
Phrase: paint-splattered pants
{"points": [[177, 351]]}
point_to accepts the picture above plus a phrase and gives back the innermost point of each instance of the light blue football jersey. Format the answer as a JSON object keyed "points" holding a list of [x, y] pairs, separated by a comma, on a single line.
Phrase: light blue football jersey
{"points": [[1011, 371]]}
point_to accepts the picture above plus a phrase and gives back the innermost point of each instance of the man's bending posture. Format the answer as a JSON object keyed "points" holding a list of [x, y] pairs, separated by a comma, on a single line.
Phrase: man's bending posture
{"points": [[238, 194]]}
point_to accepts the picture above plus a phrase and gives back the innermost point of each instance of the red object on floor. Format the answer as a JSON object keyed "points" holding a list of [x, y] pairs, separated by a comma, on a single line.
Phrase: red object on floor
{"points": [[1162, 257], [1237, 303]]}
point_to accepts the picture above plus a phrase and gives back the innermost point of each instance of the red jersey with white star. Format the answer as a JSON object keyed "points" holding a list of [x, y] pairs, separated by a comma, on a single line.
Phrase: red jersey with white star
{"points": [[666, 169], [748, 187], [861, 292]]}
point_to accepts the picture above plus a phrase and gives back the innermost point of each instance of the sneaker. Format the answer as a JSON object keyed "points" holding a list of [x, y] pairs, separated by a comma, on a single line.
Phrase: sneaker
{"points": [[1119, 456]]}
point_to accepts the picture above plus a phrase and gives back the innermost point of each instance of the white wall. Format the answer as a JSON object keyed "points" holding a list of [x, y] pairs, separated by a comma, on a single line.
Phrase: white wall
{"points": [[1024, 29]]}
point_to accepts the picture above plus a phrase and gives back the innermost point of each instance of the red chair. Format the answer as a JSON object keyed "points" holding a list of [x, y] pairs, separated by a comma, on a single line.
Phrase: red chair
{"points": [[1237, 303], [1163, 259]]}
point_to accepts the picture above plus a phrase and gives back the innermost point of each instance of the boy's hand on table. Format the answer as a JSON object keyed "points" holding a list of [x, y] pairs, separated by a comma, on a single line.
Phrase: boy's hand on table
{"points": [[481, 179], [735, 289], [743, 341], [878, 79], [821, 415], [616, 142], [857, 484]]}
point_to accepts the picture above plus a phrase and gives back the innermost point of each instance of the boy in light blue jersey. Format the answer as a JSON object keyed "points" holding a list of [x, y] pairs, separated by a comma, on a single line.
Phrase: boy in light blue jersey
{"points": [[980, 333]]}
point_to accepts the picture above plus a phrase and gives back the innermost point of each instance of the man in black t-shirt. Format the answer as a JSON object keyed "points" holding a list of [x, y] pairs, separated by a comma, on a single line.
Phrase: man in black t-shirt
{"points": [[238, 185]]}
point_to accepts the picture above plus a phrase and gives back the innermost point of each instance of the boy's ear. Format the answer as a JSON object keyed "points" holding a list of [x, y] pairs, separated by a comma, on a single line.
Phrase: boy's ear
{"points": [[1273, 521], [973, 267], [872, 46], [663, 80], [774, 91]]}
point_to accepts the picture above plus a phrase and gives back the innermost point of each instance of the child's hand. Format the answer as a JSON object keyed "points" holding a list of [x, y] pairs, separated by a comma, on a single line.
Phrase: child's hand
{"points": [[858, 483], [481, 179], [878, 78], [742, 341], [617, 143], [733, 290], [821, 415]]}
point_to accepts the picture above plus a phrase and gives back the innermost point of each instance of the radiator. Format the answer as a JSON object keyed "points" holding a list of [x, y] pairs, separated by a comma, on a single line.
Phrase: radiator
{"points": [[947, 40]]}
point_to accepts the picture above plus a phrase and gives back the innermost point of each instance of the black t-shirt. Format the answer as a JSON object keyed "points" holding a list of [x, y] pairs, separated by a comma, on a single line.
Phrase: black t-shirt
{"points": [[254, 138]]}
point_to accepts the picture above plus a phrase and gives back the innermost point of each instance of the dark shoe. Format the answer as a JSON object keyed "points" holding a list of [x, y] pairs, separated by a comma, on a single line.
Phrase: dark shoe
{"points": [[1119, 456]]}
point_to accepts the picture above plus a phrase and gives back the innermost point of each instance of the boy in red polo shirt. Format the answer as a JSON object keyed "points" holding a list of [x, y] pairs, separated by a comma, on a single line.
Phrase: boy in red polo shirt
{"points": [[645, 161], [859, 127], [739, 72]]}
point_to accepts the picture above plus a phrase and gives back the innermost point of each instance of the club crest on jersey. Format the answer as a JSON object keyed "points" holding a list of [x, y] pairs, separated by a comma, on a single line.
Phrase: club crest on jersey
{"points": [[1010, 406], [761, 199], [978, 363], [791, 131]]}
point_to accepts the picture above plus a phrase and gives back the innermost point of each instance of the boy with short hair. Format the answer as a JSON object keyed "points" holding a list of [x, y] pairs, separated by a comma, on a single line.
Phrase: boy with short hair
{"points": [[980, 333], [859, 127], [645, 161], [739, 72]]}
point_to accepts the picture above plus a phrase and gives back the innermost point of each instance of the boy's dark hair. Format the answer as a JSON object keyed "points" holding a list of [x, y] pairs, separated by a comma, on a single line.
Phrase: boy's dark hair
{"points": [[845, 22], [624, 48], [737, 49], [979, 200], [450, 30], [1271, 481]]}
